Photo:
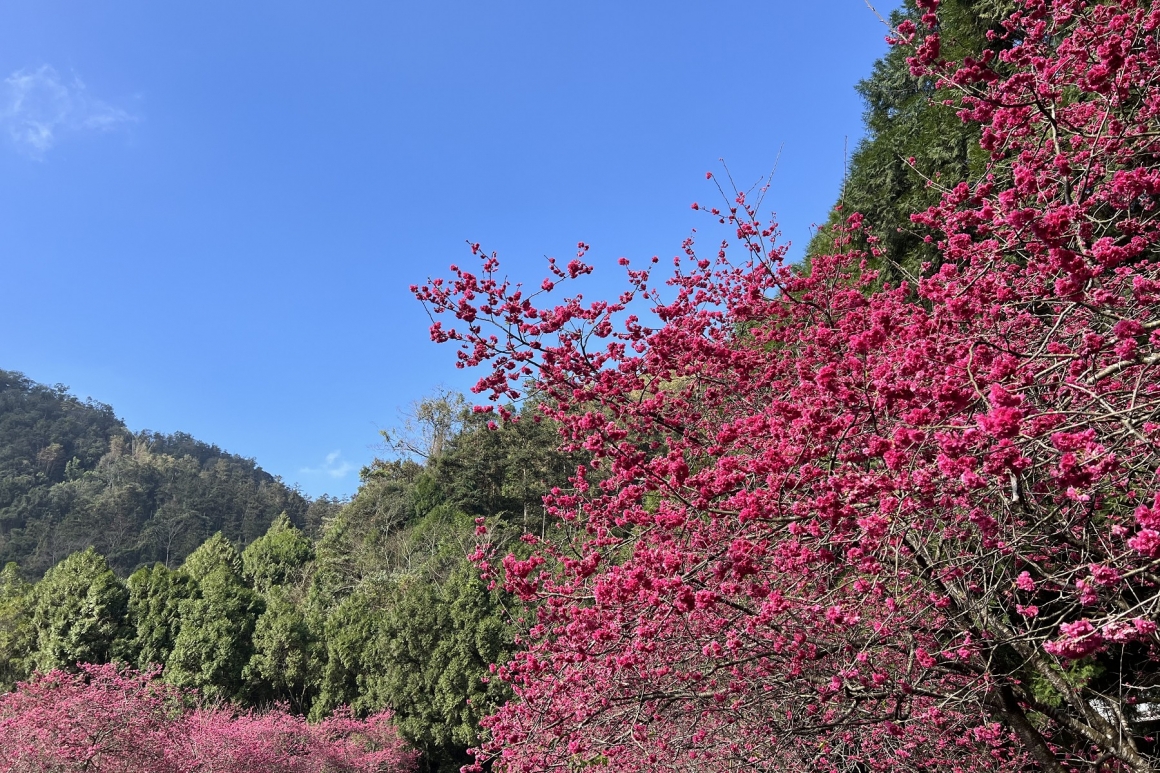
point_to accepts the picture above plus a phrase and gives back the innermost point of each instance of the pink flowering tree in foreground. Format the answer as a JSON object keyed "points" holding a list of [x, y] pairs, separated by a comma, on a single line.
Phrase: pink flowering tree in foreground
{"points": [[830, 528], [101, 719], [107, 720]]}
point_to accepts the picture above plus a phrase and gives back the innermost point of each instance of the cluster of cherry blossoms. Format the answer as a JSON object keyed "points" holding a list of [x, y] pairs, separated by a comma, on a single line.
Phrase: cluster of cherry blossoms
{"points": [[107, 720], [834, 526]]}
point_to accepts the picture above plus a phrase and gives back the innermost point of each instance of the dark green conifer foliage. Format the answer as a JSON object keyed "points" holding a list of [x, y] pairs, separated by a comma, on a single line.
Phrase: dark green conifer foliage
{"points": [[438, 642], [288, 653], [350, 629], [421, 645], [214, 642], [409, 624], [905, 119], [279, 557], [434, 648], [17, 634], [215, 553], [287, 662], [155, 596], [80, 614]]}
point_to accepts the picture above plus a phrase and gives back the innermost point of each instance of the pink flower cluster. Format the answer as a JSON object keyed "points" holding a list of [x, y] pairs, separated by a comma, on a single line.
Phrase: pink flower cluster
{"points": [[108, 720]]}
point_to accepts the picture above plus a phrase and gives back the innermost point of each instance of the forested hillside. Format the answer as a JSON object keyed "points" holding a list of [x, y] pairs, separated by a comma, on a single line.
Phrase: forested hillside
{"points": [[376, 607], [72, 475]]}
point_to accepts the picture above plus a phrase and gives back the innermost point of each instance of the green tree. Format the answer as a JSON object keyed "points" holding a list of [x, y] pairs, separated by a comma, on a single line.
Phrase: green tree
{"points": [[80, 613], [287, 661], [155, 596], [215, 553], [362, 540], [504, 473], [905, 119], [279, 557], [17, 634], [350, 629], [214, 642], [431, 658]]}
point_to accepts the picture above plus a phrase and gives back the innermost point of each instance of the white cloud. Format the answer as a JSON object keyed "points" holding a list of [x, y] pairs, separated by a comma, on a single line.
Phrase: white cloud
{"points": [[38, 107], [334, 466]]}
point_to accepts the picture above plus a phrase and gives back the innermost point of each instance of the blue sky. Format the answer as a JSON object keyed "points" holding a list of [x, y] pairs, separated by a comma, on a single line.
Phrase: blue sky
{"points": [[210, 212]]}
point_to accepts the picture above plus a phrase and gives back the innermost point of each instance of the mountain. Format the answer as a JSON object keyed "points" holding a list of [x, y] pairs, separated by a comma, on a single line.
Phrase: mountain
{"points": [[72, 475]]}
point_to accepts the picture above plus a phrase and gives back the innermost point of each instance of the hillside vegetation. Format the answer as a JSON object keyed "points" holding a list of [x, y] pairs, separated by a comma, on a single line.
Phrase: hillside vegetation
{"points": [[374, 604], [73, 476]]}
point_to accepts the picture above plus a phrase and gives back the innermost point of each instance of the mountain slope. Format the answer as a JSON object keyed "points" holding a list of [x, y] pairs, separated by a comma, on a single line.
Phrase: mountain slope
{"points": [[72, 475]]}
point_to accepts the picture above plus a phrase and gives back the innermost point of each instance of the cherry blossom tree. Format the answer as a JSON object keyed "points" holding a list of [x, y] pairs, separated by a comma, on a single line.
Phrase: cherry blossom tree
{"points": [[831, 527], [103, 719], [222, 741]]}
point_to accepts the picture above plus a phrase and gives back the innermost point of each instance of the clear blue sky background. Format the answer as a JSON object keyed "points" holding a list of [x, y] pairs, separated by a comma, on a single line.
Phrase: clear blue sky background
{"points": [[210, 212]]}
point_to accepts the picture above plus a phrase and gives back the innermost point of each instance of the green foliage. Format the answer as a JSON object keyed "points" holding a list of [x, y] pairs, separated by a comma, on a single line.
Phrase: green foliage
{"points": [[287, 660], [503, 474], [155, 596], [279, 557], [215, 553], [472, 634], [17, 634], [80, 613], [73, 476], [319, 512], [423, 647], [408, 623], [380, 609], [214, 643], [1078, 675], [350, 629]]}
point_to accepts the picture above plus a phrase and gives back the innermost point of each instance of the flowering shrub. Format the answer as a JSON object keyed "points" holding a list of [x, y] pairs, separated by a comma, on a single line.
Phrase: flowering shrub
{"points": [[831, 528], [107, 720]]}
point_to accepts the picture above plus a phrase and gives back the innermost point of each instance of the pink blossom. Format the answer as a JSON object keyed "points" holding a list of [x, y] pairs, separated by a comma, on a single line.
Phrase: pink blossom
{"points": [[1146, 542]]}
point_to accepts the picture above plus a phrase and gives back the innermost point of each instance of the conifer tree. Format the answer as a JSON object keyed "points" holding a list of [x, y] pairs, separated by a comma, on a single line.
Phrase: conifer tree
{"points": [[278, 557], [433, 651], [214, 643], [349, 632], [155, 596], [80, 613], [17, 636], [911, 138], [287, 661]]}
